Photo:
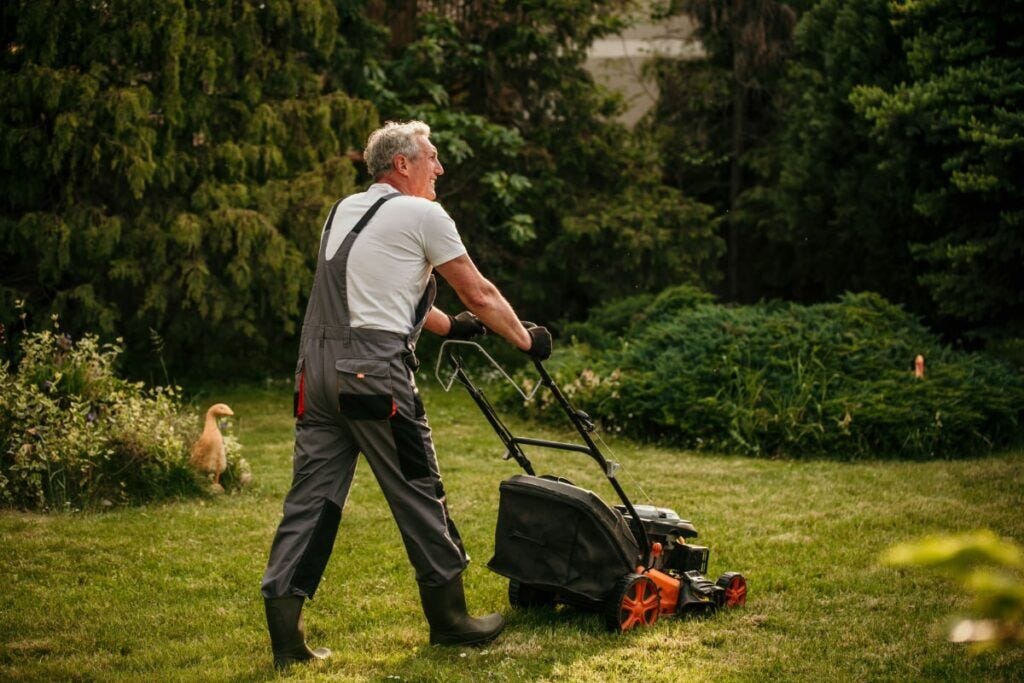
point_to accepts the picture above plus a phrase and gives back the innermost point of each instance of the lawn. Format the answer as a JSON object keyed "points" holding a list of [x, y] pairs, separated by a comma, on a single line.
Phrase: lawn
{"points": [[170, 591]]}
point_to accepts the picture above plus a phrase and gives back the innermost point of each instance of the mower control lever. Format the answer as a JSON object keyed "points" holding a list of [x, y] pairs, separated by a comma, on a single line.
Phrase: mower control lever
{"points": [[447, 353], [585, 420]]}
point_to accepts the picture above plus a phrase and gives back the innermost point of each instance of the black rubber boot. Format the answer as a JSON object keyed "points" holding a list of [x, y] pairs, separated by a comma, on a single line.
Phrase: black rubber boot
{"points": [[450, 624], [287, 632]]}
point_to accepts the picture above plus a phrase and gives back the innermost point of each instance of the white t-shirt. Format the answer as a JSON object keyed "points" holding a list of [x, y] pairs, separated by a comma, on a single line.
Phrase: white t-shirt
{"points": [[392, 258]]}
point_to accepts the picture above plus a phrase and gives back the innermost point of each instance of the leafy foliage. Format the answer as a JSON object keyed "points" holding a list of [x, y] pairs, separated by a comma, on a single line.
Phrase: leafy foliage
{"points": [[654, 238], [829, 380], [557, 202], [168, 167], [988, 567], [73, 434], [716, 116]]}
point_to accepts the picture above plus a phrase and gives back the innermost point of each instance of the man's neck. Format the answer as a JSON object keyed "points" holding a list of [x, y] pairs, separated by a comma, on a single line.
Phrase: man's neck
{"points": [[396, 181]]}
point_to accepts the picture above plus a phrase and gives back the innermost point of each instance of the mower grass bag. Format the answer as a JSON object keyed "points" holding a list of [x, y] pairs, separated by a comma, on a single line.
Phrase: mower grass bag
{"points": [[556, 536]]}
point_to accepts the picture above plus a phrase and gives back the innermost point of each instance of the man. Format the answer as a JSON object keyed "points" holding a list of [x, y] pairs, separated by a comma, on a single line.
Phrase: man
{"points": [[372, 295]]}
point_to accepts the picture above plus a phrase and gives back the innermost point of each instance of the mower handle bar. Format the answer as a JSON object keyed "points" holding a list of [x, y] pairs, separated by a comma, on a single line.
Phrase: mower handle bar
{"points": [[455, 373]]}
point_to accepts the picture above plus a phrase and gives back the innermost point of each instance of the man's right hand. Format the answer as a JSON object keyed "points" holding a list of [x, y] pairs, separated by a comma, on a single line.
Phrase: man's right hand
{"points": [[540, 343], [465, 326]]}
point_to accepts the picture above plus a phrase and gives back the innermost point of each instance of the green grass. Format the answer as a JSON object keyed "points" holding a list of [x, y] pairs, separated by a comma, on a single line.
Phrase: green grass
{"points": [[171, 591]]}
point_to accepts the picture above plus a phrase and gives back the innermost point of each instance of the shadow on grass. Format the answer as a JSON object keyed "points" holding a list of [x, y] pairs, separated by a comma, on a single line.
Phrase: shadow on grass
{"points": [[537, 644]]}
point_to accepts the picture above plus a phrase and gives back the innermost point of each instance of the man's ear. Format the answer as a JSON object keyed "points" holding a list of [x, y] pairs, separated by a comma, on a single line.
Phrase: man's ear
{"points": [[401, 164]]}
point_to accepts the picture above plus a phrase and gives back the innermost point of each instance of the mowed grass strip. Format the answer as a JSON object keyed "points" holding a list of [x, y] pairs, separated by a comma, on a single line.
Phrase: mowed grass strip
{"points": [[171, 591]]}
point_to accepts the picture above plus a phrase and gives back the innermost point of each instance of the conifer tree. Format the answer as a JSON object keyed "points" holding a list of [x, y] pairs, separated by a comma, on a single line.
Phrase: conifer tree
{"points": [[955, 130], [716, 117], [166, 168], [844, 219]]}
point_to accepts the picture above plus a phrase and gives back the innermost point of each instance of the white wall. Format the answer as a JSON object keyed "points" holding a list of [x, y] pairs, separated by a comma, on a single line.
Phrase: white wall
{"points": [[617, 61]]}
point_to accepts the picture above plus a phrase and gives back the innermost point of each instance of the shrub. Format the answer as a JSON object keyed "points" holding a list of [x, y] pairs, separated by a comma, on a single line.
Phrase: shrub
{"points": [[73, 434], [829, 380]]}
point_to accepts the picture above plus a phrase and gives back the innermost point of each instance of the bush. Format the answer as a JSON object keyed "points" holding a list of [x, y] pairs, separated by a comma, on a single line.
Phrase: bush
{"points": [[74, 435], [829, 380]]}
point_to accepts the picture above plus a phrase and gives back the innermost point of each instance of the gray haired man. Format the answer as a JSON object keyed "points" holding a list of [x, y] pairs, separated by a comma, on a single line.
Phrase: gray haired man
{"points": [[355, 393]]}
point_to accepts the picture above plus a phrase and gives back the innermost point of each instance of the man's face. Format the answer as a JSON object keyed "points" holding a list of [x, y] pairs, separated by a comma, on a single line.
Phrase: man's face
{"points": [[424, 169]]}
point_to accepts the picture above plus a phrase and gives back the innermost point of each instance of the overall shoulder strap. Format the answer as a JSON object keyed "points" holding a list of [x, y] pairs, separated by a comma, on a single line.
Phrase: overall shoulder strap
{"points": [[358, 226], [336, 270], [371, 211]]}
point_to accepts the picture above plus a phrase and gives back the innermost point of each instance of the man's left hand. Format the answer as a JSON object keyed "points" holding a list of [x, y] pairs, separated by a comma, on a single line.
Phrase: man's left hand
{"points": [[465, 326]]}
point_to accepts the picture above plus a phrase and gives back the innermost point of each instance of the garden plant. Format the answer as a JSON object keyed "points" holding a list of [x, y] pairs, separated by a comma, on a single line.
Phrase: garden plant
{"points": [[74, 434]]}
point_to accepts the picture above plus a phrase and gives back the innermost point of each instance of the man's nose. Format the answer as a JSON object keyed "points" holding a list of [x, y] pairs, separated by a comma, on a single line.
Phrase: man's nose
{"points": [[438, 168]]}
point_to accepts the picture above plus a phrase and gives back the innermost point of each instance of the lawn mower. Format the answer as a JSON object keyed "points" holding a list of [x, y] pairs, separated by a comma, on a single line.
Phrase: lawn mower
{"points": [[558, 543]]}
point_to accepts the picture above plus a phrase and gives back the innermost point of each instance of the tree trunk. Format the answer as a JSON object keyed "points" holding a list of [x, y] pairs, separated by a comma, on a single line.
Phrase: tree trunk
{"points": [[397, 15]]}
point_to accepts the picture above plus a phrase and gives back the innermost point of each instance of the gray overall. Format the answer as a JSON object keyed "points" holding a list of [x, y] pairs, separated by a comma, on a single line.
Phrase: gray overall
{"points": [[355, 393]]}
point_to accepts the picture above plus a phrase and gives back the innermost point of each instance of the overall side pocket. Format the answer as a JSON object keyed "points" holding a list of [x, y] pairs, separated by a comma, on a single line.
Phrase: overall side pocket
{"points": [[364, 389]]}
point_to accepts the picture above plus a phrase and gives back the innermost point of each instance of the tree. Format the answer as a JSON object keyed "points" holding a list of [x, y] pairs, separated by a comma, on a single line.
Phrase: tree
{"points": [[167, 167], [955, 131], [749, 39], [841, 217]]}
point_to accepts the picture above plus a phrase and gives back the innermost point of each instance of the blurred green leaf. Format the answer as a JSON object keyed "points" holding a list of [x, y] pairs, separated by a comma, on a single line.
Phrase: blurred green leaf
{"points": [[957, 553], [988, 568]]}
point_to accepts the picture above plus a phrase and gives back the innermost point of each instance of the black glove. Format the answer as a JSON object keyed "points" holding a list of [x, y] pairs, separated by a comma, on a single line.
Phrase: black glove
{"points": [[540, 343], [465, 326]]}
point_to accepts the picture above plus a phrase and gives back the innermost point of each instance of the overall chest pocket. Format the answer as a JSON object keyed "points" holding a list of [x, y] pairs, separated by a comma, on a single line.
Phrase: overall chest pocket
{"points": [[364, 389]]}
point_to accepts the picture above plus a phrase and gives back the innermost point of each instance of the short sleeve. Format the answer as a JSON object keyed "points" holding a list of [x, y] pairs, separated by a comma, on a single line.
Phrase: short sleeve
{"points": [[441, 241]]}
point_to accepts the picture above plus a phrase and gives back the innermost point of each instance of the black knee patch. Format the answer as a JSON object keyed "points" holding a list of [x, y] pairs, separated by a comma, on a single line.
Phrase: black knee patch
{"points": [[412, 453], [318, 550]]}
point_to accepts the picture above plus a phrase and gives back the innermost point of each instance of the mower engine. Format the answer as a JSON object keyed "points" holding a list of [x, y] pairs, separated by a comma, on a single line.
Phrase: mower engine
{"points": [[683, 565]]}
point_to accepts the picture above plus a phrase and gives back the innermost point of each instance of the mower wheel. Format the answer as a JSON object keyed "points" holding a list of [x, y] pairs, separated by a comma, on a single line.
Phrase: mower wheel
{"points": [[635, 601], [524, 596], [735, 586]]}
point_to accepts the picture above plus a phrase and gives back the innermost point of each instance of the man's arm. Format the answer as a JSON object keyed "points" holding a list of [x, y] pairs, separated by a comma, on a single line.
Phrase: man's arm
{"points": [[437, 322], [483, 299]]}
